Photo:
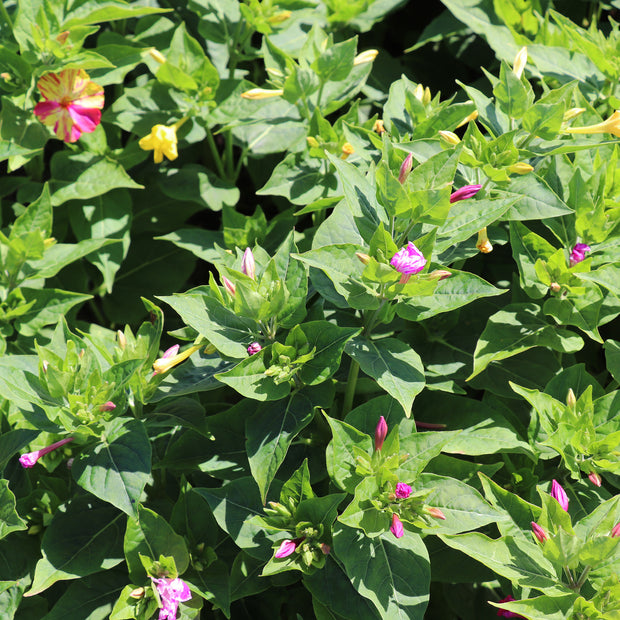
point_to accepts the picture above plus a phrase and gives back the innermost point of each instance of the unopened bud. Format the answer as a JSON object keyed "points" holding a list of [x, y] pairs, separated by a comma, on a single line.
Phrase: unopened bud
{"points": [[137, 593], [364, 258], [539, 533], [449, 138], [325, 549], [122, 340], [5, 76], [483, 244], [555, 287], [62, 37], [405, 168], [157, 56], [520, 168], [70, 463], [380, 433], [81, 353], [261, 93], [520, 62], [347, 149], [572, 113], [49, 242], [229, 286], [210, 349], [279, 17], [595, 479], [109, 406], [418, 92], [379, 127], [364, 57], [439, 274], [426, 98], [312, 142], [470, 117], [45, 365], [571, 399], [248, 266], [254, 348], [436, 513], [615, 532], [34, 529]]}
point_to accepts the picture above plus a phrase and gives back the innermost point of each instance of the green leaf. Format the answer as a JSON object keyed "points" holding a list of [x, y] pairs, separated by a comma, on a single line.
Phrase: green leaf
{"points": [[517, 328], [197, 241], [336, 62], [393, 574], [511, 94], [612, 357], [541, 607], [537, 201], [13, 441], [84, 537], [10, 521], [270, 432], [118, 468], [38, 216], [395, 366], [418, 449], [95, 11], [150, 535]]}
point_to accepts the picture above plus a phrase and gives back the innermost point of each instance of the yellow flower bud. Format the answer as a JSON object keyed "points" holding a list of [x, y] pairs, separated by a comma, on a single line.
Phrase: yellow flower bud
{"points": [[137, 593], [451, 138], [571, 400], [418, 93], [364, 258], [520, 62], [49, 242], [520, 168], [261, 93], [312, 142], [280, 17], [157, 55], [378, 127], [571, 113], [347, 149], [364, 57], [426, 98], [483, 244], [470, 117], [210, 349], [122, 341]]}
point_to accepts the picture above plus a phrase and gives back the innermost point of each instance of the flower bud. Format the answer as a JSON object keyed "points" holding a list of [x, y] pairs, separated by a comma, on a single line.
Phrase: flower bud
{"points": [[248, 266], [572, 113], [364, 258], [397, 527], [520, 62], [436, 513], [157, 56], [571, 399], [464, 193], [229, 286], [379, 127], [210, 349], [540, 534], [470, 117], [122, 340], [279, 17], [34, 529], [49, 242], [109, 406], [483, 244], [615, 532], [449, 138], [286, 548], [62, 37], [595, 479], [254, 348], [558, 493], [418, 93], [137, 593], [364, 57], [312, 142], [380, 433], [261, 93], [555, 287], [347, 149], [520, 168], [439, 274], [405, 168]]}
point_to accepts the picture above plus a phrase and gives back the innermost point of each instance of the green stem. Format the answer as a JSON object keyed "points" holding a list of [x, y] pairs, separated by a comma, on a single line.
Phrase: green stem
{"points": [[582, 578], [5, 15], [229, 158], [351, 385], [216, 155], [569, 576]]}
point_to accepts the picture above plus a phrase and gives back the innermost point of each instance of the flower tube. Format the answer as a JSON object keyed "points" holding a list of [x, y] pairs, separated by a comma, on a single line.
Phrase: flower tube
{"points": [[29, 459]]}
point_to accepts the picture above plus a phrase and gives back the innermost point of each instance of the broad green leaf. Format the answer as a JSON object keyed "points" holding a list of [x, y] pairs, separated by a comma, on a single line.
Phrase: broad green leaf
{"points": [[417, 450], [13, 441], [10, 521], [612, 357], [393, 574], [83, 538], [537, 201], [37, 216], [395, 366], [517, 328], [527, 248], [117, 469], [511, 94], [541, 607], [95, 11], [197, 241]]}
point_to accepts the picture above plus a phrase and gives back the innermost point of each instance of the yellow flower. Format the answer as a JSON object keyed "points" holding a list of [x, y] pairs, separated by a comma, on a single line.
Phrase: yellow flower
{"points": [[483, 243], [347, 149], [378, 127], [611, 125], [470, 117], [520, 168], [364, 57], [162, 141], [166, 363], [261, 93], [520, 62]]}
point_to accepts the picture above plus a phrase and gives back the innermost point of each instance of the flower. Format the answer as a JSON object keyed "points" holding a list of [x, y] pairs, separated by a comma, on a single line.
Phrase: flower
{"points": [[578, 253], [248, 266], [71, 103], [261, 93], [162, 141], [405, 168], [483, 244], [286, 548], [504, 613], [347, 149], [611, 125], [465, 192], [164, 364], [538, 531], [380, 433], [172, 592], [470, 117], [439, 274], [595, 479], [422, 94], [520, 62], [109, 406], [557, 492], [409, 260], [397, 527], [254, 348], [28, 460], [403, 491], [615, 532], [379, 127], [171, 352], [364, 57]]}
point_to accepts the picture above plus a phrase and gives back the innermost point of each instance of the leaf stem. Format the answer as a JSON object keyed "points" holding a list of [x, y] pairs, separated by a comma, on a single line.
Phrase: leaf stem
{"points": [[216, 156], [5, 15], [351, 385]]}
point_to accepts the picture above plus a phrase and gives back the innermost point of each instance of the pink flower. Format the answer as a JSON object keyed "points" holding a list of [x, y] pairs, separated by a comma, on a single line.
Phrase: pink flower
{"points": [[380, 433], [578, 253], [557, 492], [171, 592], [109, 406], [403, 491], [286, 548], [397, 527], [504, 613], [254, 348], [29, 459], [405, 168], [540, 534], [465, 192], [171, 352], [248, 266], [409, 260], [71, 103]]}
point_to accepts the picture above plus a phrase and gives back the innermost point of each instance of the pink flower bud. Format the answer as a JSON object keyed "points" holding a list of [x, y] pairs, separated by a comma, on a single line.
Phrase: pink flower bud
{"points": [[380, 433], [465, 192], [409, 260], [439, 274], [109, 406], [405, 168], [286, 548], [325, 549], [615, 532], [595, 479], [397, 527], [28, 460], [578, 253], [254, 348], [248, 266], [403, 491], [558, 493], [540, 534], [229, 286], [436, 513]]}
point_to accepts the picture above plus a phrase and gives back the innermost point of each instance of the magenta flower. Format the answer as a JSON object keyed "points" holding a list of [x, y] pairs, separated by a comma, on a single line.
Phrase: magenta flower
{"points": [[28, 460], [171, 592], [409, 260], [540, 534], [254, 348], [170, 352], [380, 433], [405, 168], [465, 192], [248, 266], [504, 613], [286, 548], [397, 527], [578, 253], [557, 492], [71, 103], [403, 491]]}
